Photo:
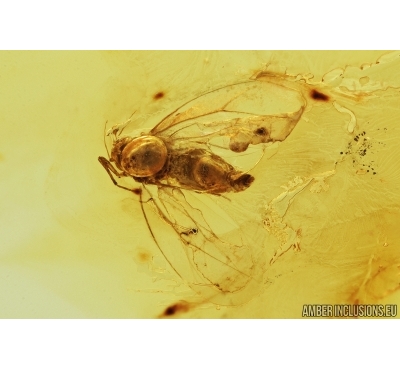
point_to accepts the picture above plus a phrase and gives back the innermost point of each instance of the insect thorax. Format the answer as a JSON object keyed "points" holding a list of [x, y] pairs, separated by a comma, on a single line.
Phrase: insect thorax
{"points": [[143, 156]]}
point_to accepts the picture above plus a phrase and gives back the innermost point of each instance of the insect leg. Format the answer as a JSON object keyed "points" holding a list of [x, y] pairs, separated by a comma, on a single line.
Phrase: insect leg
{"points": [[160, 213], [111, 170]]}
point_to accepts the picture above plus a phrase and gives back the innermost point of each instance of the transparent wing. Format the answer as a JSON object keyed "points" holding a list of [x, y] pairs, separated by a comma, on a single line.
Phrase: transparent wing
{"points": [[220, 259], [217, 258], [250, 112]]}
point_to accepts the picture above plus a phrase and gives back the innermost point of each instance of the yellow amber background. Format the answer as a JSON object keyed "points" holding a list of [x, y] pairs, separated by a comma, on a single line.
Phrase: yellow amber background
{"points": [[72, 245]]}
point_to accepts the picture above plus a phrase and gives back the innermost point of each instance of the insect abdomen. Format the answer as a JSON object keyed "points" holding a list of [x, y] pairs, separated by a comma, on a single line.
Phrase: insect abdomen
{"points": [[203, 171]]}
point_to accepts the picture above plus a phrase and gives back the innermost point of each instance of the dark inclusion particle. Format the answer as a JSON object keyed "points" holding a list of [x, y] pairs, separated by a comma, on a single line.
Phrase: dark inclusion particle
{"points": [[316, 95], [361, 150], [169, 311], [175, 308], [261, 131], [158, 96]]}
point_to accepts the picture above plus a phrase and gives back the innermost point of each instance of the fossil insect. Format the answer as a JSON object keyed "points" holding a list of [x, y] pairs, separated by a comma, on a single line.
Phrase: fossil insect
{"points": [[195, 152]]}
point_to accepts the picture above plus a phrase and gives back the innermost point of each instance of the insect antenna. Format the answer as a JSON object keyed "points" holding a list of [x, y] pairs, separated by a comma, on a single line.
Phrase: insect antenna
{"points": [[125, 124], [104, 139]]}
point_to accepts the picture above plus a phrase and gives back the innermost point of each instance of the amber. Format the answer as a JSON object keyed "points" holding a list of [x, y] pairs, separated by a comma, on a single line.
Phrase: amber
{"points": [[318, 225]]}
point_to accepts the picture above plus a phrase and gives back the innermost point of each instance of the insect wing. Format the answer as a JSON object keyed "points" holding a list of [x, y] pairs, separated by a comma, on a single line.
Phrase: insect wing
{"points": [[217, 258], [246, 113]]}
